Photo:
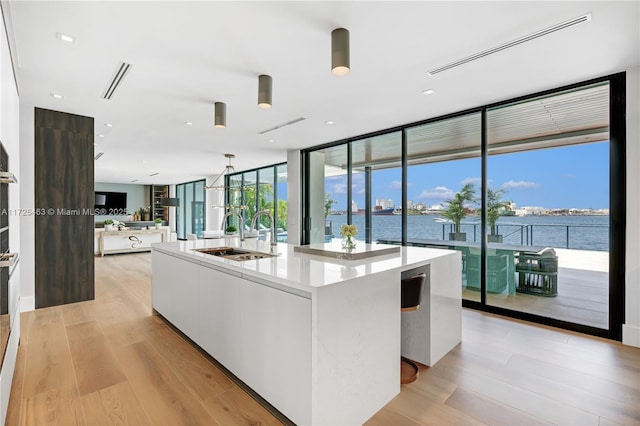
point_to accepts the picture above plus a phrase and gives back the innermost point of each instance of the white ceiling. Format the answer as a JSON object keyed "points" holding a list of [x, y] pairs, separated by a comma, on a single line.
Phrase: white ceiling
{"points": [[187, 55]]}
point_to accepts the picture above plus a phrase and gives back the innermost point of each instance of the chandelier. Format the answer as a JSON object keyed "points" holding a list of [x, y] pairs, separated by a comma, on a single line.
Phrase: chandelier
{"points": [[218, 184]]}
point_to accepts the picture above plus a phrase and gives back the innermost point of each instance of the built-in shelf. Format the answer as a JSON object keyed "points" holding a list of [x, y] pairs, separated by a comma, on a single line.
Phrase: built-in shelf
{"points": [[158, 193]]}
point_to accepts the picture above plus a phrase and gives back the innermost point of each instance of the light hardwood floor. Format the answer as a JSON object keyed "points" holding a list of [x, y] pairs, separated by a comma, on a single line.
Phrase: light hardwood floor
{"points": [[110, 361]]}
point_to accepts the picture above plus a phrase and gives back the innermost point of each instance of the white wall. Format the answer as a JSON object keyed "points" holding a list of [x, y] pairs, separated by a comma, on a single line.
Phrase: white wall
{"points": [[631, 328], [27, 201], [294, 180]]}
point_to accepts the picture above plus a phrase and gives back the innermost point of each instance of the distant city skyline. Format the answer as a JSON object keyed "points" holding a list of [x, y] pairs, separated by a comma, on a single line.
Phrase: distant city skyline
{"points": [[554, 178]]}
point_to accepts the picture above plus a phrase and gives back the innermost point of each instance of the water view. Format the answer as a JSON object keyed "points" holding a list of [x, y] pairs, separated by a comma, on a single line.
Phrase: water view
{"points": [[574, 232]]}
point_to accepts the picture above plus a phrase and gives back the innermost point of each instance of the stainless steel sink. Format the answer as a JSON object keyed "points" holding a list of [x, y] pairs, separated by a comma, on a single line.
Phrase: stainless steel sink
{"points": [[234, 253]]}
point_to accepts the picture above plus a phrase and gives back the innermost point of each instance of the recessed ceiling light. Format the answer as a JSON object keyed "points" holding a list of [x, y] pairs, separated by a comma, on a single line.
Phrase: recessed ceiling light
{"points": [[55, 95], [271, 140], [108, 125], [65, 37], [429, 92], [188, 123], [100, 135], [329, 122]]}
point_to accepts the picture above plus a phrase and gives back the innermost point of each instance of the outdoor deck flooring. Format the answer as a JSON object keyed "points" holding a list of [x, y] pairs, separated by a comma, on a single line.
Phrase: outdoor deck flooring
{"points": [[583, 291]]}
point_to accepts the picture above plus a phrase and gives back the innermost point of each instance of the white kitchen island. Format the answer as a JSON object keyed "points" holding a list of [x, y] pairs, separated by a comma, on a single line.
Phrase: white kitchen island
{"points": [[318, 337]]}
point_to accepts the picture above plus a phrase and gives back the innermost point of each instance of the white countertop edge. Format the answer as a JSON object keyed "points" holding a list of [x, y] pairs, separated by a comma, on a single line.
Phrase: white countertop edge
{"points": [[228, 269], [301, 289]]}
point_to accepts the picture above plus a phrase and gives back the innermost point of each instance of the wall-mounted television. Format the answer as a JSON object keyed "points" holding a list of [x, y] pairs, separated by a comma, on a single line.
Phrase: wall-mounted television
{"points": [[113, 203]]}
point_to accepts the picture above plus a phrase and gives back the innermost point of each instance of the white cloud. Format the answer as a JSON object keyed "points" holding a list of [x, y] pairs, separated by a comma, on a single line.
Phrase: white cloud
{"points": [[473, 180], [339, 188], [519, 185], [437, 193], [396, 184]]}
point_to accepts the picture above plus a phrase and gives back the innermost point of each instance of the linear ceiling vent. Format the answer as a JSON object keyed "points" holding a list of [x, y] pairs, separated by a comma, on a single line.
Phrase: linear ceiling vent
{"points": [[279, 126], [154, 174], [121, 71], [549, 30], [98, 155]]}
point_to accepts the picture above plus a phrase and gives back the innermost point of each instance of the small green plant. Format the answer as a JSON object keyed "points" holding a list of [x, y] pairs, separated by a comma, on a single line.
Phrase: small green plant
{"points": [[108, 222], [456, 209], [157, 220], [231, 229], [495, 207]]}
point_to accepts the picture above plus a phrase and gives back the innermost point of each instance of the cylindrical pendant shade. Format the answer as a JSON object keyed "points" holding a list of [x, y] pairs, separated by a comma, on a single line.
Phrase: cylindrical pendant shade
{"points": [[340, 51], [170, 202], [220, 115], [264, 91]]}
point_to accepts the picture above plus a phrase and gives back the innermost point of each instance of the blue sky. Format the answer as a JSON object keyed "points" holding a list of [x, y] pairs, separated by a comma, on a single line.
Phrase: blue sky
{"points": [[568, 177]]}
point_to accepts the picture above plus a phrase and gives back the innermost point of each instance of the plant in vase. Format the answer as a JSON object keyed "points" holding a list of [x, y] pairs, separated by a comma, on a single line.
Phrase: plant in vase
{"points": [[495, 207], [456, 210], [108, 225], [347, 232], [158, 222]]}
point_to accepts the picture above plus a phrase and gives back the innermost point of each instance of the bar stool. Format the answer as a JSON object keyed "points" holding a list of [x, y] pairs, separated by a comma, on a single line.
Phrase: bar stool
{"points": [[410, 297]]}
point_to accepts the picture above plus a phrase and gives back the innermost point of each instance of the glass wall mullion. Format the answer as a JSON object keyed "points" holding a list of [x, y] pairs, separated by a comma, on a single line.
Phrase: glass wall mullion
{"points": [[404, 161], [349, 183], [275, 198], [367, 200], [483, 206]]}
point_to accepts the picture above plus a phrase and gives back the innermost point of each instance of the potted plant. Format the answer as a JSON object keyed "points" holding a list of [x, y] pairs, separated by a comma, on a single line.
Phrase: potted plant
{"points": [[230, 230], [495, 207], [158, 222], [108, 225], [144, 213], [456, 210]]}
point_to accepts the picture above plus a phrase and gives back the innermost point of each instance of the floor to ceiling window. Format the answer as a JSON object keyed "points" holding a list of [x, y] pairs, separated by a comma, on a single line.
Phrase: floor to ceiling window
{"points": [[190, 215], [527, 190], [444, 185], [259, 196], [548, 173], [328, 193]]}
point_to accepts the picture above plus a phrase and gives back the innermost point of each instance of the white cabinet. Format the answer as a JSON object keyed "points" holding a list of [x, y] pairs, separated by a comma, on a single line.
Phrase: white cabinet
{"points": [[261, 334], [166, 278]]}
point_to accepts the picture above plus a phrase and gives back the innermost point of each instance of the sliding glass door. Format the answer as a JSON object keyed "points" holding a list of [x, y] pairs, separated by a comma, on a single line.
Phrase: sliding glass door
{"points": [[190, 215], [548, 206], [530, 191]]}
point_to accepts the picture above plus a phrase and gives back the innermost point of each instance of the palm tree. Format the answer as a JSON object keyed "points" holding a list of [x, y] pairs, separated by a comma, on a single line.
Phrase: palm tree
{"points": [[456, 209], [495, 206]]}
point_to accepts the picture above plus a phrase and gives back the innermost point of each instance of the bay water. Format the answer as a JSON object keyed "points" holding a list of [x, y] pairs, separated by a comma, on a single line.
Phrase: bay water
{"points": [[575, 231]]}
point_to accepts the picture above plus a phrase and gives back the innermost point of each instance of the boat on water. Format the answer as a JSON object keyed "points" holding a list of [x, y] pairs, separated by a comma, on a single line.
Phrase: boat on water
{"points": [[376, 212], [383, 212], [442, 220]]}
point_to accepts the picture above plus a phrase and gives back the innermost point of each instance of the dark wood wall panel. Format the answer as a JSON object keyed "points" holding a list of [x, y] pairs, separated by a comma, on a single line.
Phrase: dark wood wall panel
{"points": [[64, 198]]}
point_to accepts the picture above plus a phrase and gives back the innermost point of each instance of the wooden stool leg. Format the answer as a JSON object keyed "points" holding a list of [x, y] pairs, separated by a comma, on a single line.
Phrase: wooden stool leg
{"points": [[408, 371]]}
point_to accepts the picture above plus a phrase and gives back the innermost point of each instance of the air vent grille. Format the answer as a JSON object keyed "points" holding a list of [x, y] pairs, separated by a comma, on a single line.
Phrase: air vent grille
{"points": [[120, 73], [549, 30], [98, 155], [279, 126]]}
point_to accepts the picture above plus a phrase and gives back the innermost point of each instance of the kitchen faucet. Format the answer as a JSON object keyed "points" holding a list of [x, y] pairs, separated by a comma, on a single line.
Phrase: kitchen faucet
{"points": [[273, 225], [241, 222]]}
